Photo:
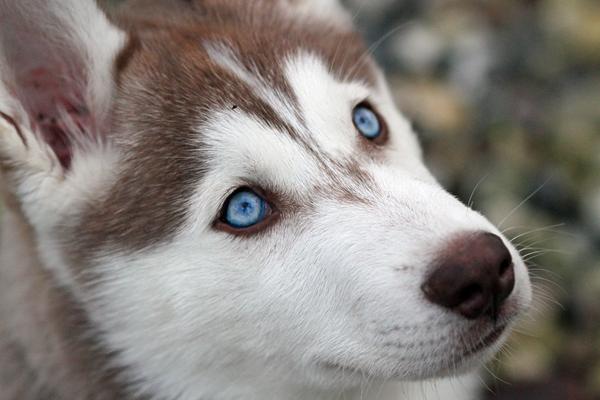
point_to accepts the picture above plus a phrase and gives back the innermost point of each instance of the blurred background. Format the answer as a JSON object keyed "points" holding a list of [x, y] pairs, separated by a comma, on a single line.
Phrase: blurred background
{"points": [[505, 95]]}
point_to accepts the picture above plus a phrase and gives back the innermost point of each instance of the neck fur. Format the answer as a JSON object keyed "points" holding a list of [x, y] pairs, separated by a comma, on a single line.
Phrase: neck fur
{"points": [[47, 349]]}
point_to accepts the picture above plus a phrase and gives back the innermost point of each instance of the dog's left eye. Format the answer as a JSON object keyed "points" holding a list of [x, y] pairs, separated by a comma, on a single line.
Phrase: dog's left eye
{"points": [[245, 209], [367, 122]]}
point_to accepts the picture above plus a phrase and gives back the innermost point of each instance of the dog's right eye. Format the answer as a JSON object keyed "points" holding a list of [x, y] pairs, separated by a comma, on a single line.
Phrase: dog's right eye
{"points": [[369, 124], [244, 209]]}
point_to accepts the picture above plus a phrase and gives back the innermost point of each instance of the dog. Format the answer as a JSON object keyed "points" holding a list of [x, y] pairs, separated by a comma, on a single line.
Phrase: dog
{"points": [[218, 199]]}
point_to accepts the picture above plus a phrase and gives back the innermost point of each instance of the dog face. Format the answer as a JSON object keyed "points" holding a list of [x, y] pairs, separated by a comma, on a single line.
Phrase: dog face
{"points": [[241, 201]]}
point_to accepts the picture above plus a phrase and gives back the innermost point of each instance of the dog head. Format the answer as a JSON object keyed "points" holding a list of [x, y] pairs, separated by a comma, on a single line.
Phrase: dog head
{"points": [[229, 191]]}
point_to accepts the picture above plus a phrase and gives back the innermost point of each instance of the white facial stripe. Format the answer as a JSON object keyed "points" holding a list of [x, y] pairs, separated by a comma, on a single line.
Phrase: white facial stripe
{"points": [[234, 136], [225, 57], [239, 146], [325, 103]]}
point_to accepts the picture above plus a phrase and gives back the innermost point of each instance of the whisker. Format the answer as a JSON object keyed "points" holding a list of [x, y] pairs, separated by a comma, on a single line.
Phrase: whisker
{"points": [[541, 229], [496, 377], [532, 246], [538, 269], [483, 178], [520, 331], [373, 48], [510, 214], [358, 11], [533, 241], [549, 299], [551, 282], [538, 253]]}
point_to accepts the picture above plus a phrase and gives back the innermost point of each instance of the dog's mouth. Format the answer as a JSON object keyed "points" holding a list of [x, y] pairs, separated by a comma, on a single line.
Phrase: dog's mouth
{"points": [[485, 342], [475, 346]]}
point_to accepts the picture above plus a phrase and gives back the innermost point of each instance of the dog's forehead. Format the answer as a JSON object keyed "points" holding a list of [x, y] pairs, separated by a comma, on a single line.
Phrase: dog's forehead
{"points": [[176, 89], [312, 108], [285, 74]]}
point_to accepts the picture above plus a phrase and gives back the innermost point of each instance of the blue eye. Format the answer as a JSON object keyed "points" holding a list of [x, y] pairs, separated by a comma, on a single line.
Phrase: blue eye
{"points": [[367, 122], [244, 209]]}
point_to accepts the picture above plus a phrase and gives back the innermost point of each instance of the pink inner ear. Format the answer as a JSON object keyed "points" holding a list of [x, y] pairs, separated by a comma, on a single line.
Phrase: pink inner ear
{"points": [[57, 112]]}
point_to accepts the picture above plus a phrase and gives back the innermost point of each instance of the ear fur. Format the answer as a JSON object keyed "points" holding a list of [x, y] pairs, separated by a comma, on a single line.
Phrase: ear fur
{"points": [[56, 82]]}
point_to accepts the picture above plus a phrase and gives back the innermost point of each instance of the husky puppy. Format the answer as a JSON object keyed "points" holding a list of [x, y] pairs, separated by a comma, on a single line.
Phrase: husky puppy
{"points": [[217, 200]]}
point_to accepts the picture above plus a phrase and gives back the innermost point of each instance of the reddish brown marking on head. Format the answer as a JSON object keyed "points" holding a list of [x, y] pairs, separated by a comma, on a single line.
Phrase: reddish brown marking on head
{"points": [[168, 87]]}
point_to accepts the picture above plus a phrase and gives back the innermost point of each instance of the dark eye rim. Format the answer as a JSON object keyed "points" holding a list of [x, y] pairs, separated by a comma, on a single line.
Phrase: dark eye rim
{"points": [[384, 135], [272, 213]]}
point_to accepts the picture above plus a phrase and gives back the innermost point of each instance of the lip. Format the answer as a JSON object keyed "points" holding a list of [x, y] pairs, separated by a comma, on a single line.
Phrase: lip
{"points": [[470, 349], [487, 341]]}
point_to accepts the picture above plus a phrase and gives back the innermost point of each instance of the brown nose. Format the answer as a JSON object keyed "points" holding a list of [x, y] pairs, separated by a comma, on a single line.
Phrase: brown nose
{"points": [[474, 276]]}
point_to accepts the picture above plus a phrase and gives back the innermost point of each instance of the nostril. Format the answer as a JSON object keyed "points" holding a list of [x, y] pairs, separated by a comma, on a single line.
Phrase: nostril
{"points": [[505, 265], [473, 301], [506, 282], [469, 293]]}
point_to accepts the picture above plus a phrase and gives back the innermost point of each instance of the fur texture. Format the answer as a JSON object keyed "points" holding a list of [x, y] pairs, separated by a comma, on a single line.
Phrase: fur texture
{"points": [[119, 143]]}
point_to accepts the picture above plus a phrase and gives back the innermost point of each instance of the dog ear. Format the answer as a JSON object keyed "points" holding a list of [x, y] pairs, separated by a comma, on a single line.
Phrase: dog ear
{"points": [[56, 80], [56, 90]]}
